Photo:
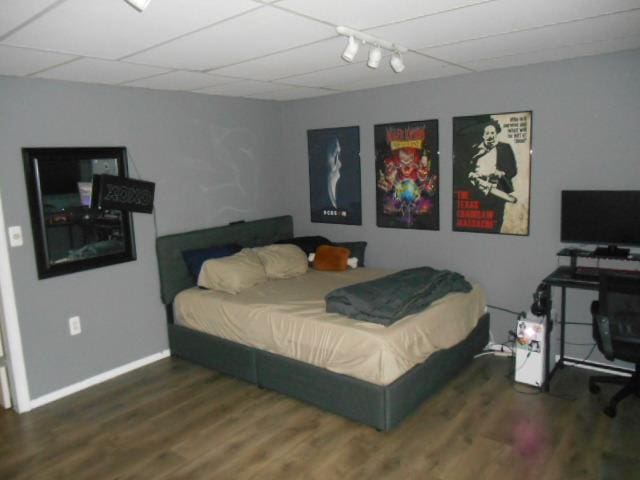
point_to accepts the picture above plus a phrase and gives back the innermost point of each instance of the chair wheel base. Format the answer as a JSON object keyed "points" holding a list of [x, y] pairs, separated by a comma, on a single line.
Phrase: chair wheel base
{"points": [[593, 388], [610, 411]]}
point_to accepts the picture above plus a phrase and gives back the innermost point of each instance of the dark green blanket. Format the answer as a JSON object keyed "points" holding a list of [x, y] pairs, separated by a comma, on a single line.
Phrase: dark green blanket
{"points": [[388, 299]]}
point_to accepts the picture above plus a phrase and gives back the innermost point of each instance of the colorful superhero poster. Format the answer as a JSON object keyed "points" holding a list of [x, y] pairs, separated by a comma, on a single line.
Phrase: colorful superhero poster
{"points": [[334, 175], [407, 175], [491, 173]]}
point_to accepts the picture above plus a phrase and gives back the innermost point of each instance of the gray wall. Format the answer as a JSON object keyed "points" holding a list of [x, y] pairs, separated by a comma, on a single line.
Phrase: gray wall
{"points": [[586, 115], [213, 159]]}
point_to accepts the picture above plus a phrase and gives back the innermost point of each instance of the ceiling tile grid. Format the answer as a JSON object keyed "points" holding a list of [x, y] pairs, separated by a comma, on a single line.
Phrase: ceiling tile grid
{"points": [[93, 70], [559, 53], [260, 32], [181, 80], [24, 61], [284, 50], [244, 88], [494, 18], [111, 29], [543, 38], [14, 13]]}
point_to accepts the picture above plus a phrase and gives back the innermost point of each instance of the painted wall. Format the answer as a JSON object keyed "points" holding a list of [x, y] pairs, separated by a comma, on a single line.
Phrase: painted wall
{"points": [[586, 115], [213, 159], [216, 160]]}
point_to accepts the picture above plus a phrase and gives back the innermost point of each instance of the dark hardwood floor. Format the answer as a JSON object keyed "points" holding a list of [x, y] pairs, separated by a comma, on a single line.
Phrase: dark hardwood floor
{"points": [[175, 420]]}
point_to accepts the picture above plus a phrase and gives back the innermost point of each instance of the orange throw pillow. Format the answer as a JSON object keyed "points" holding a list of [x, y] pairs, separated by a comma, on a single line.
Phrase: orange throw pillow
{"points": [[330, 258]]}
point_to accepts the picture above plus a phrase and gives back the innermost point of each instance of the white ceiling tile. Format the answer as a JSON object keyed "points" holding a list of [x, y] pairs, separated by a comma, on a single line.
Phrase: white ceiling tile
{"points": [[181, 80], [334, 77], [361, 14], [292, 93], [557, 53], [555, 36], [403, 78], [346, 77], [242, 89], [92, 70], [112, 29], [325, 54], [500, 16], [15, 12], [289, 49], [421, 68], [23, 61], [249, 36]]}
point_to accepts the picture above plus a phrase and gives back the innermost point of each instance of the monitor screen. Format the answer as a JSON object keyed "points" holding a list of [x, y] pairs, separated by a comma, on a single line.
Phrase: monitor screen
{"points": [[609, 217]]}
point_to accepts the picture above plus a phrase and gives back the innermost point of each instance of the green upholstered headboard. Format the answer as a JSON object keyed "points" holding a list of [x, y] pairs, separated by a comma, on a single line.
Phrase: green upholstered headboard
{"points": [[174, 276]]}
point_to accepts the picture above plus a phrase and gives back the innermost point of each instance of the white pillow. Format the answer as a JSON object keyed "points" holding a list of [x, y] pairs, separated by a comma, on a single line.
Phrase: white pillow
{"points": [[232, 274], [282, 260]]}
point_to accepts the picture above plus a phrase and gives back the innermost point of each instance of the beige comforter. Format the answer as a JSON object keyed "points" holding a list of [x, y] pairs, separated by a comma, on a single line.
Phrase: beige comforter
{"points": [[288, 317]]}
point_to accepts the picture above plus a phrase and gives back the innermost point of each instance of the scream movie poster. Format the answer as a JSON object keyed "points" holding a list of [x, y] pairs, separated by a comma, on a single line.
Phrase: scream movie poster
{"points": [[407, 175], [491, 173], [334, 175]]}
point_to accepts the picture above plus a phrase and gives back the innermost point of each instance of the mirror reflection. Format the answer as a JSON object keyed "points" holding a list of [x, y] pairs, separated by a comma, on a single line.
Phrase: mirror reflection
{"points": [[69, 234]]}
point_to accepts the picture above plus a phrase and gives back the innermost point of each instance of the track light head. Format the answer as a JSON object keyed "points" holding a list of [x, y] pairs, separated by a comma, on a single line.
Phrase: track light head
{"points": [[139, 5], [375, 55], [350, 52], [396, 62]]}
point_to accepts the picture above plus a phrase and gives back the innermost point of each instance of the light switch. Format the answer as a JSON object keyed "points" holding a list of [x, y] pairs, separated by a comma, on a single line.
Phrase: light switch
{"points": [[15, 236]]}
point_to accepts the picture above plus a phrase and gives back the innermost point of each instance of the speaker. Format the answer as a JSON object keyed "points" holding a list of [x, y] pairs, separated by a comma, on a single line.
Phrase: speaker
{"points": [[119, 193]]}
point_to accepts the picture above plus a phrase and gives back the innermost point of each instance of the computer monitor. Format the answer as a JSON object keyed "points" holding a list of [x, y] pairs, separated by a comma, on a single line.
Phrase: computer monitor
{"points": [[610, 217]]}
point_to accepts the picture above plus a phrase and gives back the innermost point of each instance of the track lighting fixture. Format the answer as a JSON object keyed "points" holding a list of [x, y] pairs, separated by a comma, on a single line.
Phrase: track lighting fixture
{"points": [[375, 55], [139, 5], [351, 51], [375, 52], [396, 62]]}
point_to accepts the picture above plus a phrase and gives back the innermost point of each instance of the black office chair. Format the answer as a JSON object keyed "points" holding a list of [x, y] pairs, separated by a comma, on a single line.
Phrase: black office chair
{"points": [[616, 329]]}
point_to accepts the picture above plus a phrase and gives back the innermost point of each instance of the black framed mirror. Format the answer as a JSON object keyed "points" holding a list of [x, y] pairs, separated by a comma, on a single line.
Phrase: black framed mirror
{"points": [[69, 235]]}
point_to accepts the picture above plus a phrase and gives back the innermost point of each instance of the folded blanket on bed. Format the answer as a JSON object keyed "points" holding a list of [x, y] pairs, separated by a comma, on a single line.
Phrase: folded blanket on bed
{"points": [[388, 299]]}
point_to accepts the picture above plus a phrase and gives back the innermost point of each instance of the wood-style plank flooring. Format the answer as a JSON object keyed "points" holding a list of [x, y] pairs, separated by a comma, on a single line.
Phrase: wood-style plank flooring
{"points": [[176, 420]]}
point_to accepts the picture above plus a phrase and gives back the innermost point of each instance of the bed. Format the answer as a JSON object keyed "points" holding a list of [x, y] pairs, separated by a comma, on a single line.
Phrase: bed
{"points": [[378, 390]]}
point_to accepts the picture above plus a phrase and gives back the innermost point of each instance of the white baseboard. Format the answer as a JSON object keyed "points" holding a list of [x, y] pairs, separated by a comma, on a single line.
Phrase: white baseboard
{"points": [[575, 362], [5, 394], [102, 377]]}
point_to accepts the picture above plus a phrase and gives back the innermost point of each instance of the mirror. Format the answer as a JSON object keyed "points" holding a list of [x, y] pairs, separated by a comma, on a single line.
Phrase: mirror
{"points": [[69, 235]]}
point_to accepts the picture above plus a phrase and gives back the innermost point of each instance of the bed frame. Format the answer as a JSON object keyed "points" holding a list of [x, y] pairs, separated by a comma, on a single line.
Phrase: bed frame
{"points": [[382, 407]]}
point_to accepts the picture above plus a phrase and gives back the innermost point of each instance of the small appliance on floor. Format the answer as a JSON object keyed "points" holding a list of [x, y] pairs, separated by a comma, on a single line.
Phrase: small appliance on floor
{"points": [[530, 350], [530, 344]]}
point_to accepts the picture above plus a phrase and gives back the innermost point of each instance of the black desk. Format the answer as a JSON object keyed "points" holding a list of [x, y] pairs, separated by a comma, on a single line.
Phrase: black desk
{"points": [[563, 277]]}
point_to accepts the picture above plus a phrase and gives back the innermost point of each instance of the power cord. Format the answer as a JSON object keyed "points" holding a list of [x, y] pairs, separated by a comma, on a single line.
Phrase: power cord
{"points": [[502, 309], [504, 349]]}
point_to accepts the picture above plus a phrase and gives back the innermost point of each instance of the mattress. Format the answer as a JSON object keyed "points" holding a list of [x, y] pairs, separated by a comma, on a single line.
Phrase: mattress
{"points": [[287, 317]]}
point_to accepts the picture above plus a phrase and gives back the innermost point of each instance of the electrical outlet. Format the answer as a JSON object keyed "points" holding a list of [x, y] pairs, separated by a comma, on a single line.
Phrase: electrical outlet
{"points": [[75, 328]]}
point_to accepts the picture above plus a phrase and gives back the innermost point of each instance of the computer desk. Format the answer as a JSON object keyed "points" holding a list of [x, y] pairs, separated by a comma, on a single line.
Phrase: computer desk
{"points": [[564, 278]]}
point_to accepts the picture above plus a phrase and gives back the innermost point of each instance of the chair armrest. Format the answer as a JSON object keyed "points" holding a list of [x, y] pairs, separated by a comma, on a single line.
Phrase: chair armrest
{"points": [[604, 328]]}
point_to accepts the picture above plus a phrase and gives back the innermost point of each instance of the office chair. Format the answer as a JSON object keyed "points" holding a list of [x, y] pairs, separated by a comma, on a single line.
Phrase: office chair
{"points": [[616, 330]]}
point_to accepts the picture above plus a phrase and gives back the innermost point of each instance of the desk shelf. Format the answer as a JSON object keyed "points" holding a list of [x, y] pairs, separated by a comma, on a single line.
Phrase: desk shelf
{"points": [[580, 253]]}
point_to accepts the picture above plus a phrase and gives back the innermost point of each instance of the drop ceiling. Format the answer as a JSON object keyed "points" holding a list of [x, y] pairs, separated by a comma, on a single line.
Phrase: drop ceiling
{"points": [[289, 49]]}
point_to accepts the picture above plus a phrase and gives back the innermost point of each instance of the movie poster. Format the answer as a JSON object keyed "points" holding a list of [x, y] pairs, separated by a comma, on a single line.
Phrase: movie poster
{"points": [[334, 175], [491, 173], [407, 175]]}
